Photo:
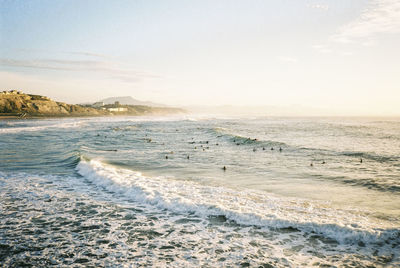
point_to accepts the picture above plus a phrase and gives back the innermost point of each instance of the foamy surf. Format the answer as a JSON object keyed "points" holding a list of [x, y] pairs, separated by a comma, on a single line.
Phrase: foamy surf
{"points": [[36, 128], [270, 208], [244, 207]]}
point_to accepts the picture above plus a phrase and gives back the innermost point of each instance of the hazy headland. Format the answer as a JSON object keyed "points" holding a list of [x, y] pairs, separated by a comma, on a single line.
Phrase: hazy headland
{"points": [[16, 104]]}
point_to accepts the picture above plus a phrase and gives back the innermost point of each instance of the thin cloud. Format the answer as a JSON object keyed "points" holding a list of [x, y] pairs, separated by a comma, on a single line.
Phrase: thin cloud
{"points": [[29, 51], [111, 69], [90, 54], [380, 17]]}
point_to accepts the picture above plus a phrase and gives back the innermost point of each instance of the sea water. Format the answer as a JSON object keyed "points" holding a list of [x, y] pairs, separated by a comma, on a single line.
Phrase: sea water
{"points": [[153, 191]]}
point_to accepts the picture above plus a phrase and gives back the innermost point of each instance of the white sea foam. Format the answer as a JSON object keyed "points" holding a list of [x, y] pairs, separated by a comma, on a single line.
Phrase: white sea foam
{"points": [[244, 207], [51, 125], [138, 235], [152, 118]]}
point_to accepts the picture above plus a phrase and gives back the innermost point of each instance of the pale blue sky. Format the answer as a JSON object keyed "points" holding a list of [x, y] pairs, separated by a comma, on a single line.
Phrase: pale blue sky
{"points": [[339, 55]]}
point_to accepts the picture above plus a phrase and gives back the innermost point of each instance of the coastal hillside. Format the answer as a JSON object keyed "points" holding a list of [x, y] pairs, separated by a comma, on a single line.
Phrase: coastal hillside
{"points": [[16, 103]]}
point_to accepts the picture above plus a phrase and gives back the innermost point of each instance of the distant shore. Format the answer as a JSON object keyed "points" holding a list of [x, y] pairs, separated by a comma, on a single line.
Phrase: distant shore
{"points": [[18, 105], [17, 117]]}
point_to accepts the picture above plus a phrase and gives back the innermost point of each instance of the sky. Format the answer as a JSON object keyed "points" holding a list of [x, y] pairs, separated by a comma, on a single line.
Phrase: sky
{"points": [[341, 57]]}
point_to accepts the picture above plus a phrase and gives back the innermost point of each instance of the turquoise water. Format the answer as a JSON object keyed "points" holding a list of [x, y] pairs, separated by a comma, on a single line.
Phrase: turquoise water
{"points": [[152, 191]]}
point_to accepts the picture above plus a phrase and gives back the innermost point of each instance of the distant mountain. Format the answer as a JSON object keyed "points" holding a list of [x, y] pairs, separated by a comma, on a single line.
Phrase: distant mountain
{"points": [[128, 100]]}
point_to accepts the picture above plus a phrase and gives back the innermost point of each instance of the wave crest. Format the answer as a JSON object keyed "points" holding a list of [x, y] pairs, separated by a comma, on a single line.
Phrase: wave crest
{"points": [[247, 207]]}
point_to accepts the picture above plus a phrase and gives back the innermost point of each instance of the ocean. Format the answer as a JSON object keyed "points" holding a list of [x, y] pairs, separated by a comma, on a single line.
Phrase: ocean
{"points": [[200, 191]]}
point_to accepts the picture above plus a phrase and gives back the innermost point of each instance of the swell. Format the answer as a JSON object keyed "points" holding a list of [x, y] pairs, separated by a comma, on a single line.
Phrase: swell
{"points": [[250, 208], [72, 160], [382, 184], [370, 184], [28, 128], [69, 159], [241, 140], [53, 163], [372, 156]]}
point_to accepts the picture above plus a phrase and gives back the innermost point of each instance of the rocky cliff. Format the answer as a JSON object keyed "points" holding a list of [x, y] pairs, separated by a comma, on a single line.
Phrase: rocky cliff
{"points": [[16, 103]]}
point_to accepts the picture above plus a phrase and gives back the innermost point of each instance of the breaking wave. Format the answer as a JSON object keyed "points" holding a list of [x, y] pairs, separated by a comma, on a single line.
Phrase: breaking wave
{"points": [[35, 128], [249, 208]]}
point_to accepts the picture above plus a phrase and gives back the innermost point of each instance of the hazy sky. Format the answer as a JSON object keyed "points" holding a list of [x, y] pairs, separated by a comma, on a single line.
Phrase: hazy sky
{"points": [[341, 55]]}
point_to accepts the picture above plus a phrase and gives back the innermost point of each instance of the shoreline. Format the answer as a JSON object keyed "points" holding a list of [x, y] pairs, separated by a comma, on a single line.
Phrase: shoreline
{"points": [[17, 117], [14, 117]]}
